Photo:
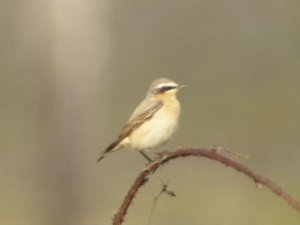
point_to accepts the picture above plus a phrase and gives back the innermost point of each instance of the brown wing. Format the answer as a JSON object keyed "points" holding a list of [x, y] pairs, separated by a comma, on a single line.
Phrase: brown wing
{"points": [[131, 125]]}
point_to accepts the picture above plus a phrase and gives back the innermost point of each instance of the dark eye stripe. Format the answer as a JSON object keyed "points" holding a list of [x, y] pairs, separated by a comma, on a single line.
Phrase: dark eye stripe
{"points": [[166, 88]]}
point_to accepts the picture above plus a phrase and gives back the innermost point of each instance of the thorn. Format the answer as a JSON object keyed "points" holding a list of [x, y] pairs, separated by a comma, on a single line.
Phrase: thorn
{"points": [[218, 148], [259, 185]]}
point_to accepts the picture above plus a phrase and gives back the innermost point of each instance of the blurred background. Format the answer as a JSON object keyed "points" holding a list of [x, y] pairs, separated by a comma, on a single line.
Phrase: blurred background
{"points": [[71, 72]]}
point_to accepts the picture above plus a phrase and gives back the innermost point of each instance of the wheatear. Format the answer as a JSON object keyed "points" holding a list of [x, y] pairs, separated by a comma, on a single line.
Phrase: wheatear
{"points": [[153, 122]]}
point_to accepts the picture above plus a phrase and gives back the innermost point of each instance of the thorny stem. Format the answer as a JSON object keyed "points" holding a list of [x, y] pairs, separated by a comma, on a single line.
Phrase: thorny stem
{"points": [[143, 177]]}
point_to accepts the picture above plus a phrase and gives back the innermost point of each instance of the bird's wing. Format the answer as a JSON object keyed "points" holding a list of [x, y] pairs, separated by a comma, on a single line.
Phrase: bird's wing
{"points": [[136, 120]]}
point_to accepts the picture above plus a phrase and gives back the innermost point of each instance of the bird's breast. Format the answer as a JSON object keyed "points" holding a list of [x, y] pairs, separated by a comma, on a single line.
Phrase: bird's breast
{"points": [[157, 130]]}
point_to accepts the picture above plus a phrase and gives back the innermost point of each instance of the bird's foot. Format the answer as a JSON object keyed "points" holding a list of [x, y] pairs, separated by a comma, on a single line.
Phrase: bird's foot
{"points": [[161, 154]]}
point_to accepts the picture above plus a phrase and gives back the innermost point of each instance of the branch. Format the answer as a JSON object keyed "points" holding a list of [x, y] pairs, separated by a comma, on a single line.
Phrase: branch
{"points": [[143, 177], [162, 191]]}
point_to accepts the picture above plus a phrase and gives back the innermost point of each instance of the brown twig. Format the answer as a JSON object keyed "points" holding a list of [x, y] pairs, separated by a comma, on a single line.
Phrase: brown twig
{"points": [[143, 177], [164, 190]]}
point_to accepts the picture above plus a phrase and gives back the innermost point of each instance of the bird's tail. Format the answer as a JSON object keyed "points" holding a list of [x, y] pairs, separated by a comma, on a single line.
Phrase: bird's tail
{"points": [[111, 148]]}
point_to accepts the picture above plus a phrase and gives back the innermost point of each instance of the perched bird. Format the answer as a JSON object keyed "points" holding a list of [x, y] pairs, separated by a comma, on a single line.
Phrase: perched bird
{"points": [[153, 122]]}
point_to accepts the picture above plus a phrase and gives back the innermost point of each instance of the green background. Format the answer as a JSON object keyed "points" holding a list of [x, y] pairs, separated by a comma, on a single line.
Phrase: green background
{"points": [[71, 72]]}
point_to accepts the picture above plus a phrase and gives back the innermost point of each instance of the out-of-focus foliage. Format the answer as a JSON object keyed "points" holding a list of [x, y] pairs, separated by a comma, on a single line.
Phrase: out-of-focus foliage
{"points": [[71, 72]]}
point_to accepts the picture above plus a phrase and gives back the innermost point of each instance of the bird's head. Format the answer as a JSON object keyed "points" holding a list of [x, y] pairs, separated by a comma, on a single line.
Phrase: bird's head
{"points": [[164, 87]]}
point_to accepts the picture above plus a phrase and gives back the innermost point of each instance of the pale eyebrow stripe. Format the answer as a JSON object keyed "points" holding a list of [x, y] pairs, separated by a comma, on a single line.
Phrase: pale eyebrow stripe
{"points": [[170, 84]]}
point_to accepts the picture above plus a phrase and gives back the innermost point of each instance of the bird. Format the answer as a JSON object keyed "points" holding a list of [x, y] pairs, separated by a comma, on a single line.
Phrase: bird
{"points": [[153, 122]]}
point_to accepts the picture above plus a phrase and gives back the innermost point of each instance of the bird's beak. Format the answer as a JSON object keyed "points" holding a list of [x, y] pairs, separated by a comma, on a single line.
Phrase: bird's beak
{"points": [[181, 86]]}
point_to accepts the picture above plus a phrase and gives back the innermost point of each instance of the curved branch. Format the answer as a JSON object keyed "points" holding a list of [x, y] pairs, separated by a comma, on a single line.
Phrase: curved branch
{"points": [[153, 166]]}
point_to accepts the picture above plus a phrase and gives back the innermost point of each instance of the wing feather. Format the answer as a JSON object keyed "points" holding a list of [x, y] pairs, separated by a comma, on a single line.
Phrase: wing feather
{"points": [[135, 121]]}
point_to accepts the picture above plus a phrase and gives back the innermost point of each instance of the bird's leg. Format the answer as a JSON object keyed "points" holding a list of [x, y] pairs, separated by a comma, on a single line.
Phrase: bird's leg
{"points": [[146, 156]]}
